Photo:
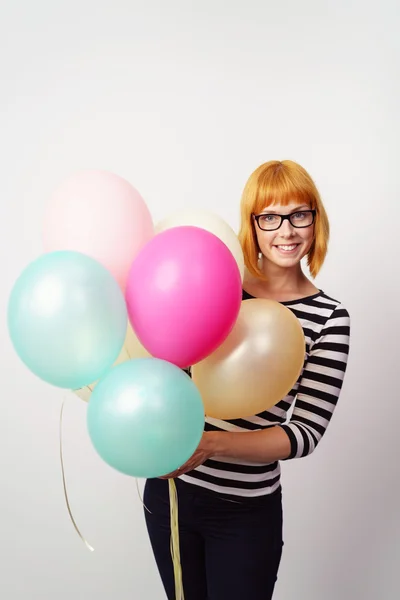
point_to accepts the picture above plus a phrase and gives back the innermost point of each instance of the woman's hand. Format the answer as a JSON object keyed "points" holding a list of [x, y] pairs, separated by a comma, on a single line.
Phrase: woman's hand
{"points": [[203, 452], [260, 447]]}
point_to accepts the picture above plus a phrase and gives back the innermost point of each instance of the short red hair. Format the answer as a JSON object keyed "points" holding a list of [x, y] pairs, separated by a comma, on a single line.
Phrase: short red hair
{"points": [[281, 182]]}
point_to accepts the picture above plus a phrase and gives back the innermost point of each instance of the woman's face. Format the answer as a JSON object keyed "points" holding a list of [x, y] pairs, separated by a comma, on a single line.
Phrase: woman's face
{"points": [[287, 245]]}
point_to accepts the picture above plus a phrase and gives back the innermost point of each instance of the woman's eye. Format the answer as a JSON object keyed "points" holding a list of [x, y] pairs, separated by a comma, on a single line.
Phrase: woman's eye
{"points": [[299, 216]]}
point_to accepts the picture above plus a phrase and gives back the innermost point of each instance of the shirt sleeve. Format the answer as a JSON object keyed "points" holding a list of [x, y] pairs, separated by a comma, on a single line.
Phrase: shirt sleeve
{"points": [[320, 385]]}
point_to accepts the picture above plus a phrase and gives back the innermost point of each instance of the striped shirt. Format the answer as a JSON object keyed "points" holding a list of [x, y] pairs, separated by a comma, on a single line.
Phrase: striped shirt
{"points": [[304, 414]]}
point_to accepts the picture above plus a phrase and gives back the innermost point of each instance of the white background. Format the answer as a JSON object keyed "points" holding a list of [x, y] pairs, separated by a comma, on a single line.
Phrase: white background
{"points": [[185, 99]]}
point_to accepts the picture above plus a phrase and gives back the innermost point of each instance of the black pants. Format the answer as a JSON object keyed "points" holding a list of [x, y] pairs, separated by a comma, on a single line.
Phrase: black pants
{"points": [[229, 550]]}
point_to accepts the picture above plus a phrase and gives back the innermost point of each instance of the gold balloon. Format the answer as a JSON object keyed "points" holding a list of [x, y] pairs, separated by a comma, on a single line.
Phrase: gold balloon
{"points": [[132, 348], [256, 366]]}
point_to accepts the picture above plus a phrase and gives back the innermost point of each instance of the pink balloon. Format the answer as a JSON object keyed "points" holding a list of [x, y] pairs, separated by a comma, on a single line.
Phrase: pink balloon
{"points": [[99, 214], [183, 294]]}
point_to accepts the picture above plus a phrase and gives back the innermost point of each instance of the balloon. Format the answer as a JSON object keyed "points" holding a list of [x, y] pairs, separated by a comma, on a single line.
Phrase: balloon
{"points": [[145, 418], [132, 348], [67, 319], [183, 294], [210, 222], [84, 393], [101, 215], [256, 366]]}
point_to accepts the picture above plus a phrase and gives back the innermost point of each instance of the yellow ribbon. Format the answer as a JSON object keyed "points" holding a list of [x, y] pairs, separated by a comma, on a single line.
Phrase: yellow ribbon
{"points": [[174, 544], [175, 549]]}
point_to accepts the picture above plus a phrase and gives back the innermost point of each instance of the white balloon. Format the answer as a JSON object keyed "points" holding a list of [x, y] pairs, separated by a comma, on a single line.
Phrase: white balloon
{"points": [[210, 222]]}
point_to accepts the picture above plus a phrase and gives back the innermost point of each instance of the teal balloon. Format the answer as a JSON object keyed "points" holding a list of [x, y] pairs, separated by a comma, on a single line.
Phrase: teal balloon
{"points": [[67, 319], [145, 418]]}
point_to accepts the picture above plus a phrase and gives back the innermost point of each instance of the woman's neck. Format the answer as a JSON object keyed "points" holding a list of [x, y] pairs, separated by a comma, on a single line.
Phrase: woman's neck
{"points": [[280, 284]]}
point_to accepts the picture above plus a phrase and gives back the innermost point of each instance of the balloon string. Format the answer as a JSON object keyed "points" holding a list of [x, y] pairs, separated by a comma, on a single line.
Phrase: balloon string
{"points": [[175, 550], [140, 497], [65, 485]]}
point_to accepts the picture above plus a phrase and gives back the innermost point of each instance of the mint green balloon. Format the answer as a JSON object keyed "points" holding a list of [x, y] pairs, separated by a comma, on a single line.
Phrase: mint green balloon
{"points": [[146, 417], [67, 319]]}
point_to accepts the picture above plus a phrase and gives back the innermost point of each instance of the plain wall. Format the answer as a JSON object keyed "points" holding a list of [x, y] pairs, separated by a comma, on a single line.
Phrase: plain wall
{"points": [[185, 99]]}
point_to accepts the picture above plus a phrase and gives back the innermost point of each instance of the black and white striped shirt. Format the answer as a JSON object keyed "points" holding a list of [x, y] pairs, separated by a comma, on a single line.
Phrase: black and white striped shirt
{"points": [[304, 414]]}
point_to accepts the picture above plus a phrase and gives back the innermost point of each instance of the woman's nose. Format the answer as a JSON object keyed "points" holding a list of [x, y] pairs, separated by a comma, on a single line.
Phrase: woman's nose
{"points": [[286, 229]]}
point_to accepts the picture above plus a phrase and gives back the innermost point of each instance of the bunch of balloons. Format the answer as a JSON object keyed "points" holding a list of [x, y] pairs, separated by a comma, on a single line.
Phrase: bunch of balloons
{"points": [[116, 309]]}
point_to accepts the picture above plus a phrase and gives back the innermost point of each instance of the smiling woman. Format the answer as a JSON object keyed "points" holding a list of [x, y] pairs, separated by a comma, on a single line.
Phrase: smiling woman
{"points": [[230, 489]]}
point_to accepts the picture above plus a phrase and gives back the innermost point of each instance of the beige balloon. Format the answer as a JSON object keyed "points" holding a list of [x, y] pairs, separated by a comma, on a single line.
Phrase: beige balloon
{"points": [[256, 366], [132, 348], [210, 222]]}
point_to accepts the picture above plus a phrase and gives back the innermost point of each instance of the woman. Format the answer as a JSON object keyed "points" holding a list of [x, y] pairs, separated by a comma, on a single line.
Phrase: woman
{"points": [[230, 508]]}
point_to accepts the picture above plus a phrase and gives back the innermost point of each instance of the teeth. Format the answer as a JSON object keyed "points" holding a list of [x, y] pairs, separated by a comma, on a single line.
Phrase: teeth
{"points": [[287, 248]]}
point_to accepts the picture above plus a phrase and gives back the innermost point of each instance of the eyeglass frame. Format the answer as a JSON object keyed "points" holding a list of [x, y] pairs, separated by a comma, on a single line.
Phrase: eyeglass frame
{"points": [[285, 218]]}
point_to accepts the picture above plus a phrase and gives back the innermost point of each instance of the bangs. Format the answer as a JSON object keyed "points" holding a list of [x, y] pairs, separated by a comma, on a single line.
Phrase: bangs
{"points": [[281, 187]]}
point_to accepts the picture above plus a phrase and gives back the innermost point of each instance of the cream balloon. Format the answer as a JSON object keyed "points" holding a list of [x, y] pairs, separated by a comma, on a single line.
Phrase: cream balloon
{"points": [[210, 222], [256, 366], [132, 349]]}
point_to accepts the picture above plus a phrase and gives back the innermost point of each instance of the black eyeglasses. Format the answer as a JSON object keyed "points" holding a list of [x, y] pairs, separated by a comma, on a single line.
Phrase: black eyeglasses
{"points": [[271, 222]]}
